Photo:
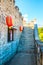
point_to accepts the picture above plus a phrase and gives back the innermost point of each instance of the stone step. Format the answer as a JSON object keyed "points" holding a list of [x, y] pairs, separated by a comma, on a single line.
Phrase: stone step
{"points": [[22, 44], [27, 37], [26, 49], [26, 43], [26, 28], [23, 59], [30, 32]]}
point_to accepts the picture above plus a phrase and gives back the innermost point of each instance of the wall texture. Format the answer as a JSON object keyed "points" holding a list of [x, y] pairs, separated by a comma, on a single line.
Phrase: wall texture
{"points": [[3, 33]]}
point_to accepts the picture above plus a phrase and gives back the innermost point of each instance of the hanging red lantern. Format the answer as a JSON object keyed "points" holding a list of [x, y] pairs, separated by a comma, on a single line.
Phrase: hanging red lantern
{"points": [[9, 21], [21, 28]]}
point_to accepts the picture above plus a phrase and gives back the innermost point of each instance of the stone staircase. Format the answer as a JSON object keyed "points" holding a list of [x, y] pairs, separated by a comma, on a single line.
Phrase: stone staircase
{"points": [[25, 53], [26, 43]]}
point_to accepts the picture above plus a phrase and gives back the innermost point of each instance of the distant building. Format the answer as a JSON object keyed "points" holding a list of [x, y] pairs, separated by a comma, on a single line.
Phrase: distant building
{"points": [[30, 24]]}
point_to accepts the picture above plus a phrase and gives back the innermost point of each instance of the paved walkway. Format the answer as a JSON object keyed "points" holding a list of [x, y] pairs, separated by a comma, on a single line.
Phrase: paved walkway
{"points": [[25, 53]]}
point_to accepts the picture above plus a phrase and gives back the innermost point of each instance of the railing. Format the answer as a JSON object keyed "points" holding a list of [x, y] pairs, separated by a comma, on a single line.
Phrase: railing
{"points": [[38, 46]]}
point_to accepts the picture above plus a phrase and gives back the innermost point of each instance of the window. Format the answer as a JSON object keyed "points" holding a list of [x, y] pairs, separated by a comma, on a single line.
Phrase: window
{"points": [[10, 35]]}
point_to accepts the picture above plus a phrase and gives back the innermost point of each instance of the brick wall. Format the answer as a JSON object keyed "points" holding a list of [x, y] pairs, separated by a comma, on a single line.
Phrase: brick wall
{"points": [[3, 33], [9, 9]]}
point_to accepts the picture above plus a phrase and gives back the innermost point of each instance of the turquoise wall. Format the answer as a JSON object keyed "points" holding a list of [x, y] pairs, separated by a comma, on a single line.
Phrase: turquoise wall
{"points": [[7, 51]]}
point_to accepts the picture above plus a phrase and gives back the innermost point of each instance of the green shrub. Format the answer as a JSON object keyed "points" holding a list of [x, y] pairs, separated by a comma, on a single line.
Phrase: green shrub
{"points": [[40, 33]]}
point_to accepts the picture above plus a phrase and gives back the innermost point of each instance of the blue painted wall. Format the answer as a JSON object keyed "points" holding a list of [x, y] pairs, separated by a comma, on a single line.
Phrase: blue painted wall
{"points": [[7, 51]]}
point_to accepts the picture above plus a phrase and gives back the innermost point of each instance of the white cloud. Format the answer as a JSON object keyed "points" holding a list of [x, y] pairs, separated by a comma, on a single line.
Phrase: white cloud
{"points": [[25, 17]]}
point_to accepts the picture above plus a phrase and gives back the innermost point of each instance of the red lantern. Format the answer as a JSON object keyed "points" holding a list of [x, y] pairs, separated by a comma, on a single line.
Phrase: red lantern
{"points": [[21, 28], [9, 21]]}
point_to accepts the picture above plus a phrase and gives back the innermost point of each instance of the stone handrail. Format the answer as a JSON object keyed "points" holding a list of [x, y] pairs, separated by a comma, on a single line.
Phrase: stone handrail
{"points": [[37, 36], [38, 46], [38, 43], [36, 32]]}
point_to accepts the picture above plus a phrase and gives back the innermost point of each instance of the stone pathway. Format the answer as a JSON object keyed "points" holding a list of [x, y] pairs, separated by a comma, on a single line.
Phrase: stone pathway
{"points": [[25, 52]]}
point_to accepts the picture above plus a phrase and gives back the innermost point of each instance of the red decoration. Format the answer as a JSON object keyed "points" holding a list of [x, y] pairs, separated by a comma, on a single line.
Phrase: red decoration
{"points": [[9, 21], [21, 28]]}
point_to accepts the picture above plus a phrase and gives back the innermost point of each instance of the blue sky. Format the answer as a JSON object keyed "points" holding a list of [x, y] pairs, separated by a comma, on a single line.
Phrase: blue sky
{"points": [[31, 9]]}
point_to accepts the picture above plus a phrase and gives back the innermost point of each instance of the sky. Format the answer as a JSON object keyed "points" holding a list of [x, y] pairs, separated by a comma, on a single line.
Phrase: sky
{"points": [[31, 9]]}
